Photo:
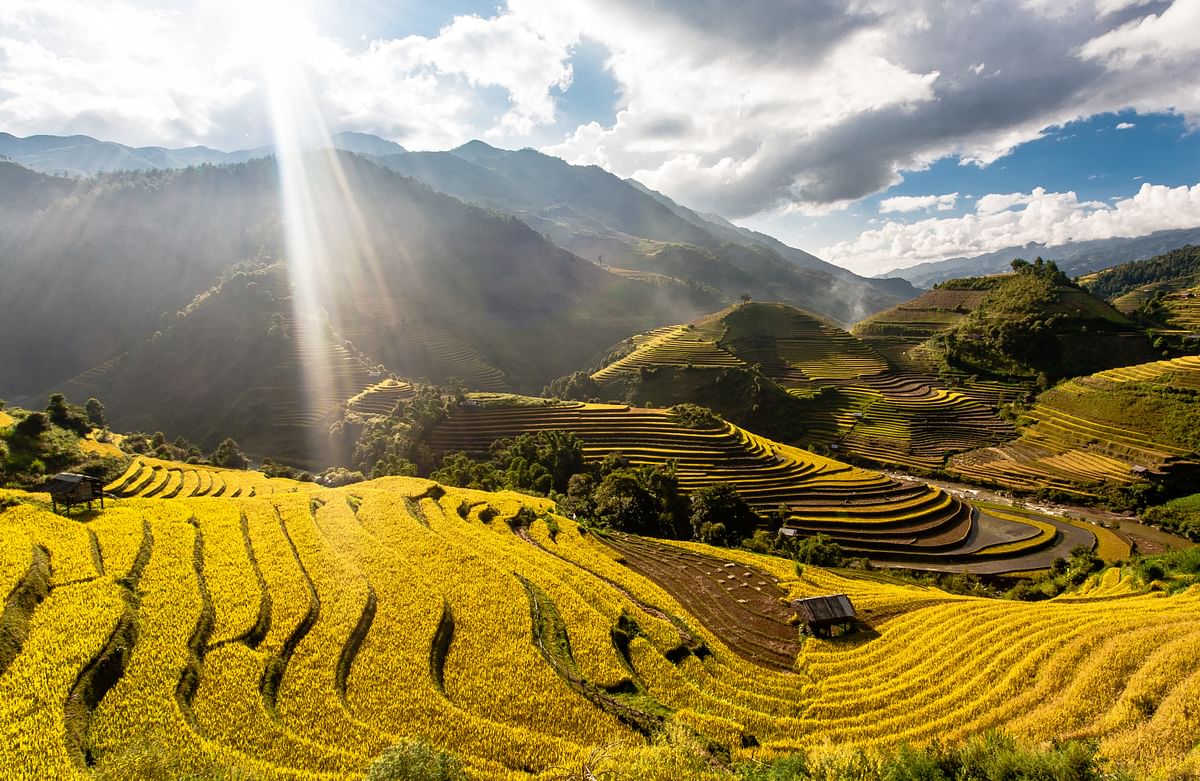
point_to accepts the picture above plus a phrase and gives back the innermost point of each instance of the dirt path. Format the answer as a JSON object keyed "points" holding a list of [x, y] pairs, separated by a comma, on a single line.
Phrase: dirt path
{"points": [[739, 604]]}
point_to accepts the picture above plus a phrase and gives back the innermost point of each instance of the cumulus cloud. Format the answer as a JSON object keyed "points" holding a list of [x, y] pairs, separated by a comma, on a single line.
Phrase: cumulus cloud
{"points": [[193, 75], [1012, 219], [1125, 126], [891, 88], [737, 108], [915, 203]]}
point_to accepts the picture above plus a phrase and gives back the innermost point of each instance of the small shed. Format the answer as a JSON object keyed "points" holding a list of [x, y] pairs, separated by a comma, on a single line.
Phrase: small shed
{"points": [[822, 615], [71, 489]]}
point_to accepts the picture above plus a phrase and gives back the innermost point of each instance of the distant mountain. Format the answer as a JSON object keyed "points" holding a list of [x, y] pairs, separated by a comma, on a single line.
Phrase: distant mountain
{"points": [[1075, 258], [615, 223], [113, 281], [85, 156], [625, 225]]}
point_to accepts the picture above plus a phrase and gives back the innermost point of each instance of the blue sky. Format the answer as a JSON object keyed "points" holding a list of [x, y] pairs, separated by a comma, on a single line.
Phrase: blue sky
{"points": [[876, 135]]}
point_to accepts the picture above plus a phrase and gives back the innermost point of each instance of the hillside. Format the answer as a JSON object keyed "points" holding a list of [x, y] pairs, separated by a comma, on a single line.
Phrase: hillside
{"points": [[904, 524], [299, 635], [425, 285], [1075, 258], [1030, 326], [615, 222], [1118, 427], [624, 225], [802, 379]]}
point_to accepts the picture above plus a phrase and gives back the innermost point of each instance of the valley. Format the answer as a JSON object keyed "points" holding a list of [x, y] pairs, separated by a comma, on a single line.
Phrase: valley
{"points": [[527, 480]]}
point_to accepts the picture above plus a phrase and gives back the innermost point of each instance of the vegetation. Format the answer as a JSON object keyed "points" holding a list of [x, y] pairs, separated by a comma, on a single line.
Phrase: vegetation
{"points": [[1031, 324], [35, 445], [1161, 271], [1181, 516], [392, 647]]}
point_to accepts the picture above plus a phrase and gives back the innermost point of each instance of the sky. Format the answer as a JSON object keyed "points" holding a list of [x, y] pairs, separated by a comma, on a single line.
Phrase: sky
{"points": [[874, 133]]}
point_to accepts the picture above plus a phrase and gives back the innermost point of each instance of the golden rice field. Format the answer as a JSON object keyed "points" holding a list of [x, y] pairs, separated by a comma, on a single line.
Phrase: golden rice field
{"points": [[1079, 434], [905, 523], [867, 410], [297, 635], [148, 478]]}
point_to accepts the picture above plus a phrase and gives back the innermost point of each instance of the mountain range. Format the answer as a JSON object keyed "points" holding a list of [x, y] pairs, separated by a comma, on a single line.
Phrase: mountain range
{"points": [[1075, 258], [616, 223]]}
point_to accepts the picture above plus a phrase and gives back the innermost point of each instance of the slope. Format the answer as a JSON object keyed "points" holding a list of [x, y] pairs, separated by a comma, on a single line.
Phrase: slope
{"points": [[1121, 426], [796, 377], [622, 224], [459, 280], [299, 635]]}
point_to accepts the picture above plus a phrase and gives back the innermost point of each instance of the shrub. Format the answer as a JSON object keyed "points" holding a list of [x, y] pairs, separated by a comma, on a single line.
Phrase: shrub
{"points": [[416, 760], [820, 551]]}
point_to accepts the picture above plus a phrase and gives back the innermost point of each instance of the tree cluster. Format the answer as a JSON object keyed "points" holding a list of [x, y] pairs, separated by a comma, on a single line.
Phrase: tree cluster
{"points": [[611, 493]]}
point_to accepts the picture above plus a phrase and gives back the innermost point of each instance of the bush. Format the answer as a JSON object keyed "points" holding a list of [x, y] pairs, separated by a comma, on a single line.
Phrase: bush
{"points": [[229, 455], [416, 760], [820, 551]]}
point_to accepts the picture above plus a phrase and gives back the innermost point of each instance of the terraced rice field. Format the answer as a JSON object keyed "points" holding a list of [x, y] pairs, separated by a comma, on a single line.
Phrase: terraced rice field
{"points": [[868, 410], [1070, 441], [381, 398], [1183, 309], [424, 351], [869, 514], [151, 477], [679, 345], [296, 636]]}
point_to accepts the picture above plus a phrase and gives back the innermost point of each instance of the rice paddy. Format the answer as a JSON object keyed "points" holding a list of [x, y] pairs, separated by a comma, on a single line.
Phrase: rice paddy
{"points": [[297, 635]]}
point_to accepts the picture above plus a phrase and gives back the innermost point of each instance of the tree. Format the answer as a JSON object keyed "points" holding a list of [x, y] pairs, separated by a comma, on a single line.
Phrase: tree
{"points": [[63, 415], [720, 504], [624, 504], [229, 455], [820, 551], [746, 299], [95, 412], [33, 426]]}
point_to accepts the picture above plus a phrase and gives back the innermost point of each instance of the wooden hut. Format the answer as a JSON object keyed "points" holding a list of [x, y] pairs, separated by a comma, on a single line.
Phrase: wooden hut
{"points": [[71, 489], [822, 615]]}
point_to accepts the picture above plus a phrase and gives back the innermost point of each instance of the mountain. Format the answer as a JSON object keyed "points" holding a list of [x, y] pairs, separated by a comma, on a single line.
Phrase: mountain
{"points": [[85, 156], [1170, 271], [1033, 326], [118, 282], [623, 224], [1075, 258]]}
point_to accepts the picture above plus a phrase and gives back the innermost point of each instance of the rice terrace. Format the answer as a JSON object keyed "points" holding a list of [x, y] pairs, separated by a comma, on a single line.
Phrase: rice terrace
{"points": [[599, 391]]}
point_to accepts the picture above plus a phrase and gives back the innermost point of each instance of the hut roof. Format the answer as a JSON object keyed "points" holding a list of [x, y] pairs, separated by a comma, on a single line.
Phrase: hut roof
{"points": [[66, 482], [832, 609]]}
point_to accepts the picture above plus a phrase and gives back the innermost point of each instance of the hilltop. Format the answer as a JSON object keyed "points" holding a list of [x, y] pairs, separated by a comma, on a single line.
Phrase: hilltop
{"points": [[803, 380], [1033, 326], [626, 226], [301, 634]]}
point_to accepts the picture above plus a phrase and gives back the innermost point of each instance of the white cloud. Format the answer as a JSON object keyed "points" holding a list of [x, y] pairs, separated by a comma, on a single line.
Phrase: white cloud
{"points": [[1005, 220], [192, 75], [1125, 126], [738, 108], [913, 203]]}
